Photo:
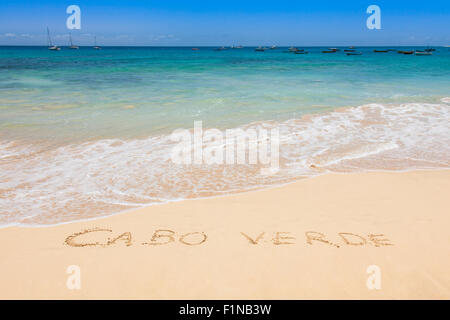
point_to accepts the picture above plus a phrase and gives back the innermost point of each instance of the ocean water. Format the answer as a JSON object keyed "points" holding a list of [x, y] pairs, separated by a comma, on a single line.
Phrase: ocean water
{"points": [[86, 133]]}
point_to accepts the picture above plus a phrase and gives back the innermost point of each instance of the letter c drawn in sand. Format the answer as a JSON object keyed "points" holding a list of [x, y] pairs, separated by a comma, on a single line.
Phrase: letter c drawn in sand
{"points": [[70, 239]]}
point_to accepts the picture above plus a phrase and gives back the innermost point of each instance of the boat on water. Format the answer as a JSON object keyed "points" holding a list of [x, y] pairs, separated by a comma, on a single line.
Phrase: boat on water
{"points": [[349, 50], [72, 46], [293, 49], [424, 53], [352, 47], [354, 53], [273, 47], [220, 49], [429, 50], [407, 52], [194, 49], [51, 46], [260, 49], [380, 51], [329, 51], [96, 47], [301, 52], [334, 49]]}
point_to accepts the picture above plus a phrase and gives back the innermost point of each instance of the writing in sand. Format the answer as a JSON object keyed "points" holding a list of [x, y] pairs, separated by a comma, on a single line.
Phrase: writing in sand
{"points": [[103, 237]]}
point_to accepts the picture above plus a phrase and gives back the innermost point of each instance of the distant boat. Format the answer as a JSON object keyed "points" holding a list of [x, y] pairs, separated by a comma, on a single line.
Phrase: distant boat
{"points": [[407, 52], [220, 49], [349, 50], [354, 53], [194, 49], [96, 47], [329, 51], [352, 47], [260, 49], [429, 50], [301, 52], [51, 46], [380, 50], [71, 43], [334, 49], [293, 49], [236, 47], [273, 47], [423, 53]]}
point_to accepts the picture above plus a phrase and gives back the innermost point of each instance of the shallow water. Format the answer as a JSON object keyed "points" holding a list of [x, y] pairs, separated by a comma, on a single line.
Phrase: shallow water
{"points": [[86, 133]]}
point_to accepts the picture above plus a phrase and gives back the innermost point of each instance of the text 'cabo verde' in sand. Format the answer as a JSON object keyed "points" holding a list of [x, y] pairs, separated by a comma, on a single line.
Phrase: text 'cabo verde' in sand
{"points": [[103, 237]]}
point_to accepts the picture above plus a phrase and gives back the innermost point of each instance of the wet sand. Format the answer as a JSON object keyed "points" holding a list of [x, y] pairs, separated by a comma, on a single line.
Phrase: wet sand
{"points": [[312, 239]]}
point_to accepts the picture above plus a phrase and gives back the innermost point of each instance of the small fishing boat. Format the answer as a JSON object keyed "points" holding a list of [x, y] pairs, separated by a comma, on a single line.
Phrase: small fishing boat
{"points": [[220, 49], [429, 50], [273, 47], [51, 46], [96, 47], [194, 49], [301, 52], [334, 49], [349, 50], [329, 51], [424, 53], [408, 52], [72, 46], [354, 53], [380, 51], [352, 47], [293, 49]]}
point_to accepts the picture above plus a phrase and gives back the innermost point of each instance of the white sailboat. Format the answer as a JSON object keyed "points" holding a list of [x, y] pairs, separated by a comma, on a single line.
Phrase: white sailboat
{"points": [[96, 47], [51, 46], [72, 46]]}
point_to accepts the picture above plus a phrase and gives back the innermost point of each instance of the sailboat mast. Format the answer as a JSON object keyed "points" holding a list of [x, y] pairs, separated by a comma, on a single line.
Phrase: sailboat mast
{"points": [[49, 39]]}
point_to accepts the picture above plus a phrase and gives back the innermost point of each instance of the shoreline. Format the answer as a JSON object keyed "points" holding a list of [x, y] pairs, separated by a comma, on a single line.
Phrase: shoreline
{"points": [[73, 186], [309, 239], [264, 188]]}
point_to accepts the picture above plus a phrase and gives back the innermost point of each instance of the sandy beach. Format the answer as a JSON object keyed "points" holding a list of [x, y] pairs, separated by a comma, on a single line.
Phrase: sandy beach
{"points": [[312, 239]]}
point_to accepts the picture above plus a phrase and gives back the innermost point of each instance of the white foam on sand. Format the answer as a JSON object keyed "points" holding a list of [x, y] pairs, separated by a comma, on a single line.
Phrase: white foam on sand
{"points": [[102, 177]]}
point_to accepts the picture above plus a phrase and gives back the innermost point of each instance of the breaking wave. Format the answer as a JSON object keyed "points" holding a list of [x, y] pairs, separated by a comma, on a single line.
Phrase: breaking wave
{"points": [[41, 186]]}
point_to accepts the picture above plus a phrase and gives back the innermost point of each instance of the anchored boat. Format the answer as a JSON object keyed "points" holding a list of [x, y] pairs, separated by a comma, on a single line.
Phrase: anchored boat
{"points": [[51, 46], [96, 47], [72, 46]]}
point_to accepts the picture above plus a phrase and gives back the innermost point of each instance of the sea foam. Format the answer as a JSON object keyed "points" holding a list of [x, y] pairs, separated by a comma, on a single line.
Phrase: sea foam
{"points": [[97, 178]]}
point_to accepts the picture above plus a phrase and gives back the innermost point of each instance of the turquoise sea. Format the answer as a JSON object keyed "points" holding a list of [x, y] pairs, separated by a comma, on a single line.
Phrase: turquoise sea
{"points": [[85, 133]]}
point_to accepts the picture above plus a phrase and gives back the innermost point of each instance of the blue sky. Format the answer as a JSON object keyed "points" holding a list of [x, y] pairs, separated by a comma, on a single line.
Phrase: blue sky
{"points": [[226, 22]]}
